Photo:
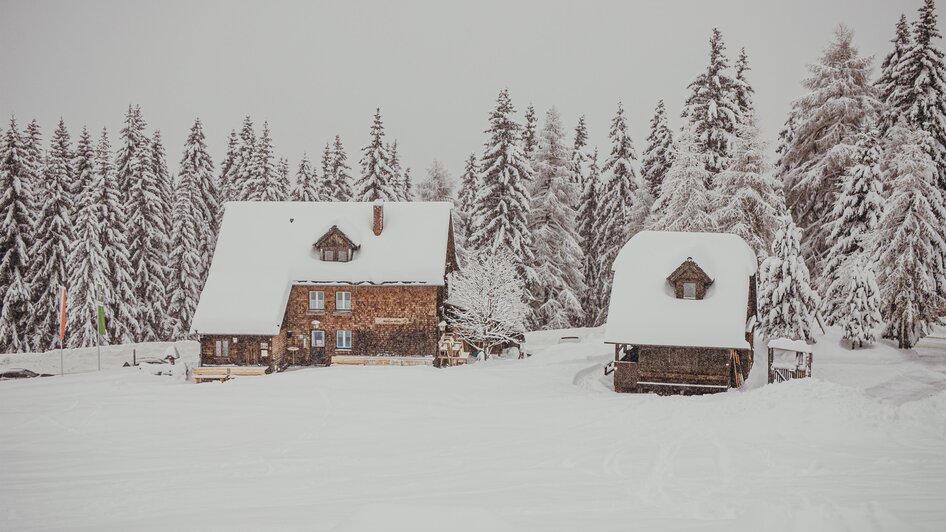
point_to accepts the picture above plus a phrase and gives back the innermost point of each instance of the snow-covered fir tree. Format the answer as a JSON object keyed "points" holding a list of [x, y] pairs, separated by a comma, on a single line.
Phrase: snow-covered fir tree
{"points": [[264, 182], [787, 303], [166, 206], [684, 203], [466, 196], [377, 181], [120, 317], [890, 73], [185, 280], [239, 188], [53, 237], [529, 139], [588, 238], [658, 155], [840, 104], [748, 199], [397, 174], [499, 219], [853, 221], [919, 93], [615, 203], [577, 166], [229, 169], [786, 138], [88, 267], [438, 186], [33, 149], [16, 226], [198, 167], [282, 185], [145, 229], [711, 109], [861, 303], [742, 87], [340, 185], [307, 180], [554, 296], [910, 241], [407, 183]]}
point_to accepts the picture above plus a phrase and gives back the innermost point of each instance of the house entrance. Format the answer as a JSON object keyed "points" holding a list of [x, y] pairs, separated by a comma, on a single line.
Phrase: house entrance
{"points": [[317, 347]]}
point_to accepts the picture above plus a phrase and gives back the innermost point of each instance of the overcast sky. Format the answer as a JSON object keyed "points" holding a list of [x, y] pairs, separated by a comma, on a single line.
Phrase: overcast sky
{"points": [[314, 69]]}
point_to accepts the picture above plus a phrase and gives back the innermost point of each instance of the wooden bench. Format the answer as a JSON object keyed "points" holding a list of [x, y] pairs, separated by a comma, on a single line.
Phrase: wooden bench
{"points": [[369, 360], [225, 373]]}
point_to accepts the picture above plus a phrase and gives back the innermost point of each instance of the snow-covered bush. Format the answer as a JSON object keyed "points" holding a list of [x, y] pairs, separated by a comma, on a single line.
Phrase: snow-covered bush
{"points": [[487, 302]]}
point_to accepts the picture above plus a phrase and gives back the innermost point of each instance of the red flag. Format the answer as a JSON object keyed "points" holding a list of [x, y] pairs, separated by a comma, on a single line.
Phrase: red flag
{"points": [[62, 313]]}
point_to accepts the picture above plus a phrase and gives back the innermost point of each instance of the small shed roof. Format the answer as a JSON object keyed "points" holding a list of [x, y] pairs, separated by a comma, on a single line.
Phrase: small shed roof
{"points": [[266, 247], [644, 309]]}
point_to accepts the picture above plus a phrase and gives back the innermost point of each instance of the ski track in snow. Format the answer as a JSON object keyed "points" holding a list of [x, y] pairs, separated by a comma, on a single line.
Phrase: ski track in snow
{"points": [[536, 444]]}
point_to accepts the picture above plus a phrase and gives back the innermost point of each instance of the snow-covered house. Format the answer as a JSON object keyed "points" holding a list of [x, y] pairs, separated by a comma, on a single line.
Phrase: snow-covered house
{"points": [[303, 282], [682, 312]]}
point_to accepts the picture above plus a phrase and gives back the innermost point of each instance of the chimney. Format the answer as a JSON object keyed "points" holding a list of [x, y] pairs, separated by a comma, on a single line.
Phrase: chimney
{"points": [[378, 222]]}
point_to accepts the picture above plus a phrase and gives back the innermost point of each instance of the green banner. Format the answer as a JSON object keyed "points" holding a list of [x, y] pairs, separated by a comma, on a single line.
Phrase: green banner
{"points": [[101, 309]]}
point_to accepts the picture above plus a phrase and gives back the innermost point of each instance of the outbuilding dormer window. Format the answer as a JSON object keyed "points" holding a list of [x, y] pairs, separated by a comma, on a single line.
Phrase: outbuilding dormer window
{"points": [[689, 281], [335, 246]]}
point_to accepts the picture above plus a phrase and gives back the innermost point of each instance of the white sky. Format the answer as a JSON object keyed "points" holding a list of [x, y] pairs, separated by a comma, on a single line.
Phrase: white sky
{"points": [[313, 69]]}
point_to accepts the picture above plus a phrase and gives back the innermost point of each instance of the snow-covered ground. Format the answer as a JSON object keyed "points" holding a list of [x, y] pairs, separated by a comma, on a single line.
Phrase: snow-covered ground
{"points": [[536, 444]]}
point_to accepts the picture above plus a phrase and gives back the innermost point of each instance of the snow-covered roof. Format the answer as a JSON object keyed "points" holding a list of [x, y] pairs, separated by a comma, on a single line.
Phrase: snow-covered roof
{"points": [[644, 309], [790, 345], [266, 247]]}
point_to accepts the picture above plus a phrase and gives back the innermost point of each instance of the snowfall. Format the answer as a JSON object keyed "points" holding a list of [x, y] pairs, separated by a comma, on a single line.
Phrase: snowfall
{"points": [[537, 444]]}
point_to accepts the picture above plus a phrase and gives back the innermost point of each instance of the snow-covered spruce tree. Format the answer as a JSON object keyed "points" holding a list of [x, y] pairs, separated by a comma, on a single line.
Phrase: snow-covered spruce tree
{"points": [[499, 219], [145, 229], [228, 170], [307, 180], [529, 139], [615, 202], [408, 184], [377, 177], [53, 237], [196, 162], [658, 156], [554, 296], [264, 183], [684, 203], [748, 199], [853, 221], [466, 196], [240, 187], [282, 184], [438, 186], [341, 182], [787, 303], [16, 226], [890, 74], [786, 138], [589, 240], [919, 94], [827, 121], [120, 310], [743, 88], [33, 149], [184, 283], [487, 302], [711, 109], [165, 184], [88, 267], [861, 303], [910, 244], [397, 174], [577, 166]]}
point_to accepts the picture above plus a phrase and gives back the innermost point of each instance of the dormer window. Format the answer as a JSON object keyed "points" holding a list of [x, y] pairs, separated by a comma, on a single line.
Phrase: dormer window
{"points": [[335, 246], [689, 281]]}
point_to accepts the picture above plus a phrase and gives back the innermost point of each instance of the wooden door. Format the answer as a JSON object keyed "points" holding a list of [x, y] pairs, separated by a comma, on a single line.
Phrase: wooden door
{"points": [[317, 347]]}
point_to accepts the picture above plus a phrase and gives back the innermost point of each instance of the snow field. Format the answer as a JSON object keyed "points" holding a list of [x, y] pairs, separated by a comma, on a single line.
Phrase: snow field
{"points": [[534, 444]]}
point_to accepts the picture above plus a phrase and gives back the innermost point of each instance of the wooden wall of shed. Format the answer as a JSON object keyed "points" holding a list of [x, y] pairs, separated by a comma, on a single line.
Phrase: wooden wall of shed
{"points": [[417, 306], [670, 365], [244, 352]]}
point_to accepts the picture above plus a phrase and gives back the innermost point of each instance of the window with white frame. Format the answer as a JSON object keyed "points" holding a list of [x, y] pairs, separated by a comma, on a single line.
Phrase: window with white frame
{"points": [[222, 348], [316, 300], [342, 339], [343, 300], [689, 290], [318, 338], [328, 255]]}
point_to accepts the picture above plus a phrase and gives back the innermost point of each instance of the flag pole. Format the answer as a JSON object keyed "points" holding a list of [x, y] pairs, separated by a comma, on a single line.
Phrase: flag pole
{"points": [[99, 321], [62, 327]]}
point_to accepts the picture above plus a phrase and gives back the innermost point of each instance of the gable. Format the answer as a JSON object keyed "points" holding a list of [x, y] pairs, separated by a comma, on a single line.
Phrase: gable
{"points": [[334, 238]]}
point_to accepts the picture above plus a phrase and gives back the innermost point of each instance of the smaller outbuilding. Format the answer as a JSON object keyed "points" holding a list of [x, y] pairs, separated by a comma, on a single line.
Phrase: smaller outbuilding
{"points": [[682, 313], [789, 359]]}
